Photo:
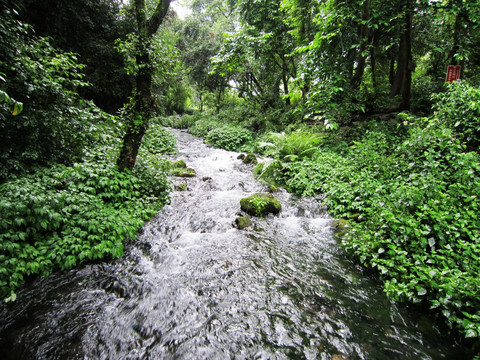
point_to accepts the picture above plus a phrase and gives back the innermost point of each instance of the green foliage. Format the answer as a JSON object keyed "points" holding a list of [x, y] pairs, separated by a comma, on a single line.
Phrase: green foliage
{"points": [[409, 190], [204, 125], [54, 124], [229, 137], [178, 122], [159, 140], [88, 28], [294, 146], [459, 109], [60, 217], [7, 103]]}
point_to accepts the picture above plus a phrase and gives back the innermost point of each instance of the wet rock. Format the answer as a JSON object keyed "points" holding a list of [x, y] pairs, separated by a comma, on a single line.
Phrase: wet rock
{"points": [[340, 228], [250, 159], [339, 357], [179, 168], [181, 187], [340, 225], [272, 189], [260, 204], [180, 164], [187, 172], [357, 217], [243, 222], [300, 212]]}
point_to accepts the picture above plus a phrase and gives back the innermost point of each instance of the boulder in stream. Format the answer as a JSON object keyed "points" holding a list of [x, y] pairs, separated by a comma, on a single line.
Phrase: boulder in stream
{"points": [[340, 228], [250, 159], [243, 222], [260, 204], [179, 168], [187, 172]]}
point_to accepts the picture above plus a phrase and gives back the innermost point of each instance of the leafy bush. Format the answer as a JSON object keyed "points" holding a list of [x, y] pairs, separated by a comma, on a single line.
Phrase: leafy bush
{"points": [[291, 147], [203, 126], [63, 216], [229, 137], [159, 140], [411, 198], [54, 124], [459, 109]]}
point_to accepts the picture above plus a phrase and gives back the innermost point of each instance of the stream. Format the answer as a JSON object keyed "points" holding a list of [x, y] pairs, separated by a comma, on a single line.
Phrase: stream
{"points": [[192, 286]]}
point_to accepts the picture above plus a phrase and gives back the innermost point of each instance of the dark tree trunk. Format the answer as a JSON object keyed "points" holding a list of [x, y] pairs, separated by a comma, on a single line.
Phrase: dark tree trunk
{"points": [[403, 77], [373, 62], [356, 79], [285, 80], [137, 122]]}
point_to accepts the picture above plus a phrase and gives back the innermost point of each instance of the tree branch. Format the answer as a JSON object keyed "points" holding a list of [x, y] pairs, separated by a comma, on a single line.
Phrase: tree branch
{"points": [[158, 16]]}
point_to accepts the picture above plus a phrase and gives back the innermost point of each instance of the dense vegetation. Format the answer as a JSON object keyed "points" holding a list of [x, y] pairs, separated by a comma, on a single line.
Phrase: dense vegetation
{"points": [[347, 99], [63, 200]]}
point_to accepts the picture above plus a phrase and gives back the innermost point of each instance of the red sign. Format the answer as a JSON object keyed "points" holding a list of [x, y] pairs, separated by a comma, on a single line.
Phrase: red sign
{"points": [[453, 73]]}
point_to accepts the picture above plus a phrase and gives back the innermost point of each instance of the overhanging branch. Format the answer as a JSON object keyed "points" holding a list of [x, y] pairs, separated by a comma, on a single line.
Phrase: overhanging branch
{"points": [[158, 16]]}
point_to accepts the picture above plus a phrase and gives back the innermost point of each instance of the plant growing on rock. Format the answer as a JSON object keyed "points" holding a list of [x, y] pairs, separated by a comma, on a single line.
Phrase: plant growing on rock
{"points": [[260, 204]]}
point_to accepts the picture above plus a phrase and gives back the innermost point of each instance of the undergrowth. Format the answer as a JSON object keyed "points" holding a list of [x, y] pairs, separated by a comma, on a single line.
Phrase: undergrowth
{"points": [[411, 196], [62, 216]]}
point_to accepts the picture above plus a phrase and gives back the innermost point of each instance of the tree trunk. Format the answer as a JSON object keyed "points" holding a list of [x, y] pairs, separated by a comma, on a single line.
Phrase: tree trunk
{"points": [[285, 81], [373, 62], [356, 79], [402, 82], [137, 122]]}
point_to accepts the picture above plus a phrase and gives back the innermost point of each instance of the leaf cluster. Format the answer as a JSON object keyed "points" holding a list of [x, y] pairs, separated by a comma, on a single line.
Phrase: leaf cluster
{"points": [[410, 194], [54, 123], [60, 217], [229, 137], [159, 140]]}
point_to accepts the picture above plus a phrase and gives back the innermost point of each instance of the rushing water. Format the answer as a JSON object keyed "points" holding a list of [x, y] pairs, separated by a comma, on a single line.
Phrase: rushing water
{"points": [[192, 286]]}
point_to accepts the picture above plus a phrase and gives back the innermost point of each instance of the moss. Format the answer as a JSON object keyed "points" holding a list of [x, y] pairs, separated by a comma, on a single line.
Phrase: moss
{"points": [[181, 187], [179, 168], [340, 228], [187, 172], [272, 189], [243, 222], [250, 159], [179, 164], [260, 204]]}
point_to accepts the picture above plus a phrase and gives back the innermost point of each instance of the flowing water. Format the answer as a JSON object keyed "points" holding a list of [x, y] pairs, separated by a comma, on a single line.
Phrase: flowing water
{"points": [[192, 286]]}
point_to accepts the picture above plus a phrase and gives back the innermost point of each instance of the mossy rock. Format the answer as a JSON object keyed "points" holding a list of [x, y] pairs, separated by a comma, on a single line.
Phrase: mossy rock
{"points": [[340, 228], [181, 187], [243, 222], [241, 157], [183, 172], [179, 164], [250, 159], [272, 189], [260, 204]]}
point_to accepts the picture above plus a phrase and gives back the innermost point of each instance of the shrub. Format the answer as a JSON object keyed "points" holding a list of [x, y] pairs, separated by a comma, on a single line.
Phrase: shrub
{"points": [[203, 126], [291, 147], [54, 125], [411, 198], [60, 217], [459, 109], [159, 140], [229, 137]]}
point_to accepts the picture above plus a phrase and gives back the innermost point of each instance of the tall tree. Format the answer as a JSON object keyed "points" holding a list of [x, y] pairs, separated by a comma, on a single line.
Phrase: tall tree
{"points": [[142, 107], [402, 82]]}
